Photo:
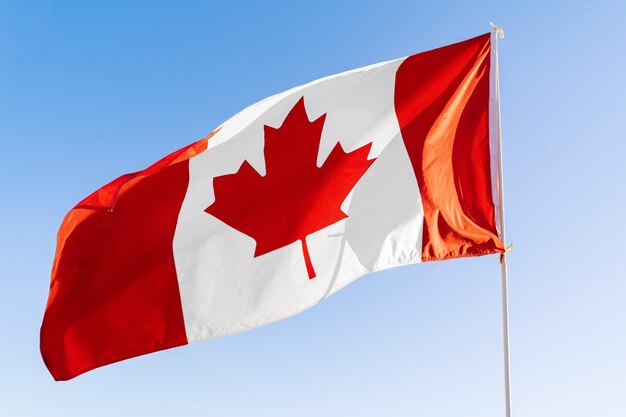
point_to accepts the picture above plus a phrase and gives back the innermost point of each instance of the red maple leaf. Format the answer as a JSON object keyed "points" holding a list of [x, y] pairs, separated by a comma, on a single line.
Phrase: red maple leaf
{"points": [[295, 197]]}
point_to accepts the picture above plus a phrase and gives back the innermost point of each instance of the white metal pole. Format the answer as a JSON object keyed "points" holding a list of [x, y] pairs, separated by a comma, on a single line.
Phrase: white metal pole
{"points": [[505, 334], [499, 33]]}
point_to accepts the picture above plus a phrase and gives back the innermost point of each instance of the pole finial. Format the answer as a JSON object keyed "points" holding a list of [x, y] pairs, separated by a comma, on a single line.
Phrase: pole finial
{"points": [[499, 31]]}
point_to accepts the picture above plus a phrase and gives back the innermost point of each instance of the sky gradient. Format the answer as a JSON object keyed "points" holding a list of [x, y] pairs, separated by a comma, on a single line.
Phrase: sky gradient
{"points": [[92, 90]]}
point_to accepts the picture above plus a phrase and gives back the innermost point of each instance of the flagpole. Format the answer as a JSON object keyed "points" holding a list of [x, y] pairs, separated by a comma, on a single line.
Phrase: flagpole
{"points": [[499, 33], [505, 334]]}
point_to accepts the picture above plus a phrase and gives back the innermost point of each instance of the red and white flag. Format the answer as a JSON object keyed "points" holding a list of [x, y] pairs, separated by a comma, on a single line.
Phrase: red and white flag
{"points": [[281, 206]]}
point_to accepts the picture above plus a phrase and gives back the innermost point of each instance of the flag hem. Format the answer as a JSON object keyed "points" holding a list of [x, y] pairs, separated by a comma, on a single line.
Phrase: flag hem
{"points": [[494, 134]]}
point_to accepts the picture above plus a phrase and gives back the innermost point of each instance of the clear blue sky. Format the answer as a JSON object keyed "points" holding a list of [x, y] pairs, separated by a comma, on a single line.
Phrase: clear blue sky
{"points": [[92, 90]]}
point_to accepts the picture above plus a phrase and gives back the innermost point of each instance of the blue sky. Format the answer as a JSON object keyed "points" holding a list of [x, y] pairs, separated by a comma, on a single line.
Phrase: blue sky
{"points": [[92, 90]]}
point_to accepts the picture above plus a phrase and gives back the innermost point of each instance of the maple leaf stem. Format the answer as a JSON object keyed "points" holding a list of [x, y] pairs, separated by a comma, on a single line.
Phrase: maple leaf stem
{"points": [[307, 259]]}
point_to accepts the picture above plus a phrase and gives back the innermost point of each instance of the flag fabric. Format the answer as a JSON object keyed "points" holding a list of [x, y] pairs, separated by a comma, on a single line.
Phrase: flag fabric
{"points": [[281, 206]]}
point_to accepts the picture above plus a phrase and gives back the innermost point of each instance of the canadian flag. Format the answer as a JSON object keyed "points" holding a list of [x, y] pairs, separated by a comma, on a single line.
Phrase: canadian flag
{"points": [[284, 204]]}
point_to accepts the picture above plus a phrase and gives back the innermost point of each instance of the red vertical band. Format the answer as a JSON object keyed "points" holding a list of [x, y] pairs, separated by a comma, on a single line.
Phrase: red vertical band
{"points": [[114, 291], [442, 105]]}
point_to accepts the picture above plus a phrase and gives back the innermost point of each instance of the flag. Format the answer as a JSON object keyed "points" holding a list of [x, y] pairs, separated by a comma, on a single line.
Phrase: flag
{"points": [[284, 204]]}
